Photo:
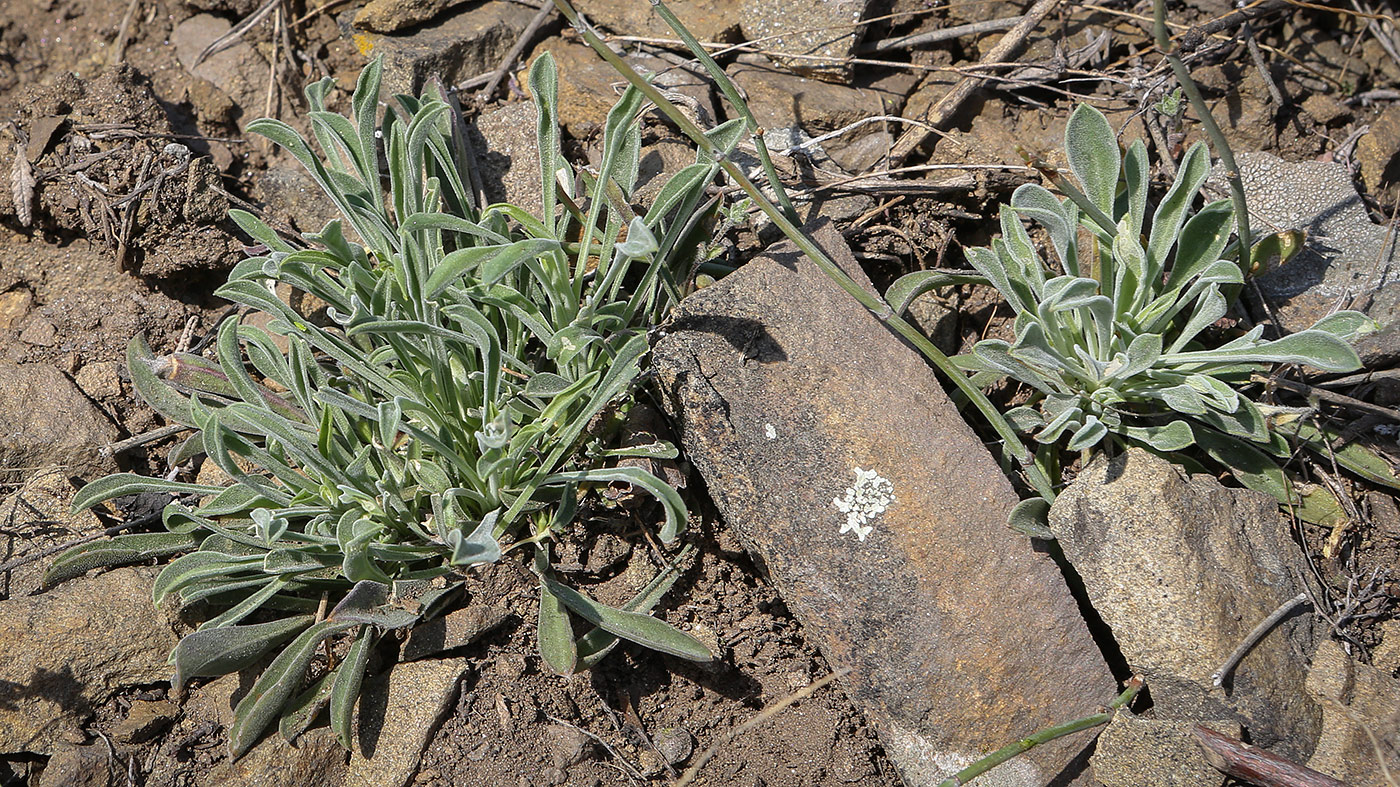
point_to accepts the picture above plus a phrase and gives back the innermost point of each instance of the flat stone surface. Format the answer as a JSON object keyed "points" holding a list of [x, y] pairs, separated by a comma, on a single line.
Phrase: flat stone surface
{"points": [[238, 72], [708, 20], [1133, 752], [783, 100], [36, 516], [1347, 260], [62, 656], [457, 45], [1354, 698], [456, 630], [398, 714], [388, 16], [825, 29], [1182, 569], [960, 636], [504, 142], [47, 420], [315, 759]]}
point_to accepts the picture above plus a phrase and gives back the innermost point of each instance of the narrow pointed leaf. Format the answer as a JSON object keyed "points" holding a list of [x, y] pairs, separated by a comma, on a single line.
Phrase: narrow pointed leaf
{"points": [[642, 629], [118, 551], [275, 686]]}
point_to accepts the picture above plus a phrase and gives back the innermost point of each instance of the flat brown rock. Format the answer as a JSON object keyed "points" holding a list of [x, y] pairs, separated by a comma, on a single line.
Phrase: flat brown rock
{"points": [[960, 636]]}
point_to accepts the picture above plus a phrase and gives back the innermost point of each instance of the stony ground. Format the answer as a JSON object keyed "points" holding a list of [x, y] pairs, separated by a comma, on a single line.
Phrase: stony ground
{"points": [[125, 149]]}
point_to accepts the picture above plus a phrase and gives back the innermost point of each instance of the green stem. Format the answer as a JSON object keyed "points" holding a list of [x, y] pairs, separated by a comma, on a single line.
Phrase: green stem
{"points": [[878, 307], [1217, 137], [1044, 736], [731, 93]]}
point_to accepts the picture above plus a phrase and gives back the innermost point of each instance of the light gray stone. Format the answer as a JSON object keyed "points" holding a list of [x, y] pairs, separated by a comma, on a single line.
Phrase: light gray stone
{"points": [[1348, 260], [1134, 752], [504, 141], [1356, 699], [46, 420], [36, 516], [398, 714], [708, 20], [1182, 568], [470, 40], [315, 760], [238, 71], [62, 655], [824, 29], [787, 389]]}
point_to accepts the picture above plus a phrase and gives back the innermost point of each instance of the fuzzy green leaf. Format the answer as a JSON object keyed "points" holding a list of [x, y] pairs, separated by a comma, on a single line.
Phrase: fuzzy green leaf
{"points": [[644, 630], [556, 636], [118, 551], [1318, 349], [349, 677], [1092, 150], [209, 653], [275, 686], [668, 497]]}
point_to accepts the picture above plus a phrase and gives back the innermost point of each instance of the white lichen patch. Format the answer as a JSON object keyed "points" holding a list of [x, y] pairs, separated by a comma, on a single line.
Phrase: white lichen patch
{"points": [[865, 500], [770, 432]]}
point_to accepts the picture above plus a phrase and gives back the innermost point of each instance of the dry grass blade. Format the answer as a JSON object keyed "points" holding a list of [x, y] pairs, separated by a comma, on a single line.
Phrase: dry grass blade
{"points": [[234, 35]]}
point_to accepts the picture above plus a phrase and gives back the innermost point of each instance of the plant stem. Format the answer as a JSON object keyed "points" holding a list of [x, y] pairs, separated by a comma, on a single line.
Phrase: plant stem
{"points": [[878, 307], [731, 93], [1217, 137], [1044, 736]]}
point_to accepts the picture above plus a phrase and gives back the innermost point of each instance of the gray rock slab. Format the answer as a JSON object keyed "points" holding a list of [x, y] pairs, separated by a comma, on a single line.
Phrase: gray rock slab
{"points": [[47, 420], [795, 402], [1348, 261], [1134, 752], [1355, 698], [398, 714], [458, 45], [62, 655], [76, 766], [1182, 568], [388, 16], [458, 629]]}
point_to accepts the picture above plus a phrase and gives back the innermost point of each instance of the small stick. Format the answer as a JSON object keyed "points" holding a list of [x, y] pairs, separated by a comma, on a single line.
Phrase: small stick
{"points": [[144, 438], [941, 112], [1256, 766], [765, 715], [1341, 400], [31, 557], [119, 45], [1255, 634], [546, 10], [942, 34]]}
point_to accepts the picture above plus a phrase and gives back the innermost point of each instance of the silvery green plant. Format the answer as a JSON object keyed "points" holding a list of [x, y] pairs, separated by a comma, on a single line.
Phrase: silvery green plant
{"points": [[1116, 341], [458, 394]]}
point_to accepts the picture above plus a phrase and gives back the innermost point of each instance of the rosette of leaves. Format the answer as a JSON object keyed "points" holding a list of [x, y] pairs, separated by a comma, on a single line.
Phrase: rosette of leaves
{"points": [[452, 397], [1116, 342]]}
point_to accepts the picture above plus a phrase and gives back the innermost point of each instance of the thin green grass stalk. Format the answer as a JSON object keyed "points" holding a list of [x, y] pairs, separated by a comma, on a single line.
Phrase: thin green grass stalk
{"points": [[1217, 137], [731, 93], [878, 307], [1046, 735]]}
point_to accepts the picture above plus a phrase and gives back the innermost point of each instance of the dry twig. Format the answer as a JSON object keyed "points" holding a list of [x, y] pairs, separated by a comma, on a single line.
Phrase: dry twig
{"points": [[942, 111]]}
